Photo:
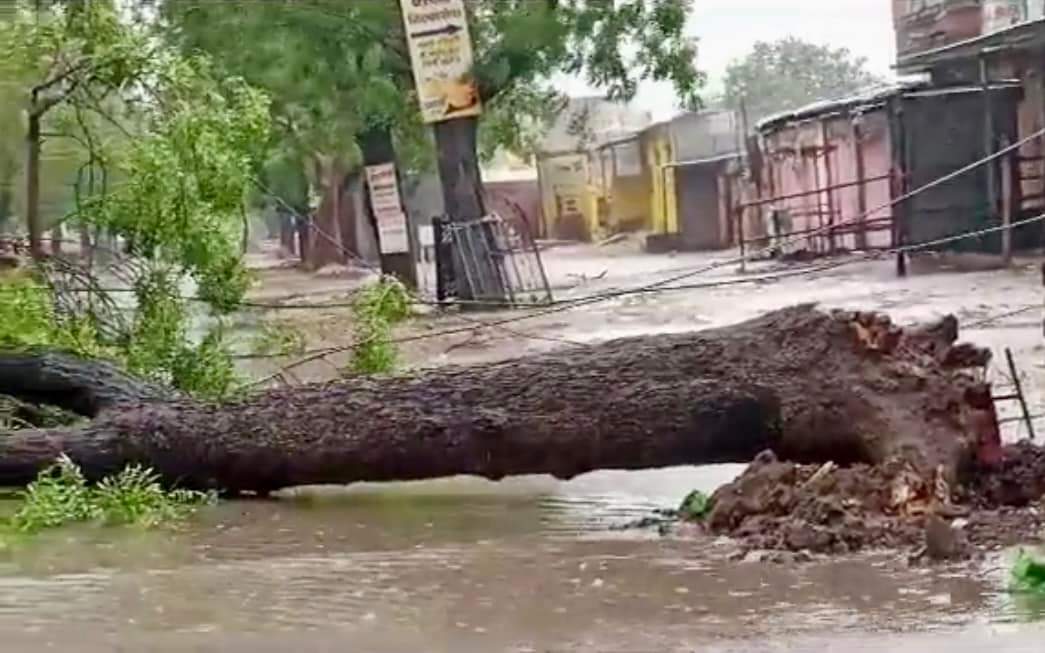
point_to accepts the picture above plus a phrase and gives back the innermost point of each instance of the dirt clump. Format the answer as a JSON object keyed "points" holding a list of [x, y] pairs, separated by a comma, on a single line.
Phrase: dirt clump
{"points": [[784, 506]]}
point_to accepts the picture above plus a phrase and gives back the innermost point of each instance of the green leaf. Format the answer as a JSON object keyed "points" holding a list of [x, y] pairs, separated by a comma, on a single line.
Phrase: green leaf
{"points": [[695, 506], [1028, 574]]}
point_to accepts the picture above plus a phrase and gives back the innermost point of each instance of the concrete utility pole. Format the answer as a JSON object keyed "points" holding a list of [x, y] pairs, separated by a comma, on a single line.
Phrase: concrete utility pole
{"points": [[441, 56]]}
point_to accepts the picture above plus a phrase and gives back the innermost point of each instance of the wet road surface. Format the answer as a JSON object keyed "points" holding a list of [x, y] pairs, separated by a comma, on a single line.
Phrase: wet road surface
{"points": [[465, 565]]}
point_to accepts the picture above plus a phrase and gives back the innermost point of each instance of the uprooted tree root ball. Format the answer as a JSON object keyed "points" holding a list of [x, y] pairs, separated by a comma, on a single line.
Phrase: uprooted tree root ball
{"points": [[776, 505]]}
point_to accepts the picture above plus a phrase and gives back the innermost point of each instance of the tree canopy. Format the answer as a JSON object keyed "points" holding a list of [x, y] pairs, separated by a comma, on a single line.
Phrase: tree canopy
{"points": [[789, 73], [181, 140], [336, 68]]}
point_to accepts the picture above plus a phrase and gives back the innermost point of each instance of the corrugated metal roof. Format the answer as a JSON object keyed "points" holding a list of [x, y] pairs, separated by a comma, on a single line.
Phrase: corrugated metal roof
{"points": [[872, 95], [873, 98]]}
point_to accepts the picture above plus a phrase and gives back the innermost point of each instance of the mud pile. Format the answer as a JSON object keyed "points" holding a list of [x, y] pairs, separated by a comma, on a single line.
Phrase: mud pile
{"points": [[785, 506]]}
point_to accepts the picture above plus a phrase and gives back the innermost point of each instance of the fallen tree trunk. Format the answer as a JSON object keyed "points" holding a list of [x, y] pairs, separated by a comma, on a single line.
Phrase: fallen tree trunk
{"points": [[811, 386]]}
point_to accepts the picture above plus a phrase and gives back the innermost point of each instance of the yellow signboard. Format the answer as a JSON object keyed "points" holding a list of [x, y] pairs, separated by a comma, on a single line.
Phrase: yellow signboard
{"points": [[441, 55]]}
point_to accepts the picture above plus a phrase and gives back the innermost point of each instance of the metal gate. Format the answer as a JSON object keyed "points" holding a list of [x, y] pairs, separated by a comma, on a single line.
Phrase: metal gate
{"points": [[489, 260]]}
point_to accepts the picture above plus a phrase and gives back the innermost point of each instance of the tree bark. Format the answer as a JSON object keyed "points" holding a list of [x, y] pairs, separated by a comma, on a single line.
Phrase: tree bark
{"points": [[457, 146], [6, 200], [32, 182], [325, 238], [811, 386], [303, 225], [286, 231], [57, 238]]}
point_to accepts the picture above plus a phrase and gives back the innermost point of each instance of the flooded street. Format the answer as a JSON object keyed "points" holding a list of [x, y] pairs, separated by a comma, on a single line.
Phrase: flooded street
{"points": [[532, 564], [465, 565]]}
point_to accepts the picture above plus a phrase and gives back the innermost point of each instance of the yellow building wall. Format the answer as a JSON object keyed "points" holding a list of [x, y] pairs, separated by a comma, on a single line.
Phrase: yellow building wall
{"points": [[567, 197], [629, 204], [662, 197]]}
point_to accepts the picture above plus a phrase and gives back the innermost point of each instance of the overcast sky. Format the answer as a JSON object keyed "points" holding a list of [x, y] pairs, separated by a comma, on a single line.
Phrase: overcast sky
{"points": [[728, 28]]}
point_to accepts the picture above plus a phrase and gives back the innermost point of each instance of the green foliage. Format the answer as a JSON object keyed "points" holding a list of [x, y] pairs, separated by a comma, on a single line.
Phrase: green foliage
{"points": [[1028, 574], [790, 73], [28, 320], [187, 175], [695, 506], [26, 315], [135, 496], [207, 370], [521, 46], [337, 68], [183, 142], [60, 495], [157, 347], [375, 311], [278, 340]]}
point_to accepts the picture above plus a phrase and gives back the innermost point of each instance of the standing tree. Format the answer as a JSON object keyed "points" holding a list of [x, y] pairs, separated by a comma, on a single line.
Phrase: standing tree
{"points": [[335, 72], [183, 143], [10, 146], [348, 59], [789, 73]]}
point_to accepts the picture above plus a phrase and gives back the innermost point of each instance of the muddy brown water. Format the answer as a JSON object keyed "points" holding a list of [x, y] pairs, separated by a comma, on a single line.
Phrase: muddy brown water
{"points": [[464, 565], [531, 564]]}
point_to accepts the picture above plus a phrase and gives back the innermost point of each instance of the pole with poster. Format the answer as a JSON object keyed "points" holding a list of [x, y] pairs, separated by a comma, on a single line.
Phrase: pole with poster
{"points": [[441, 56], [393, 234]]}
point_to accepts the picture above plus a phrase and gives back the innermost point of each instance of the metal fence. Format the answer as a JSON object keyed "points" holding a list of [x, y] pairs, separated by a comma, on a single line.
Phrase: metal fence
{"points": [[489, 260]]}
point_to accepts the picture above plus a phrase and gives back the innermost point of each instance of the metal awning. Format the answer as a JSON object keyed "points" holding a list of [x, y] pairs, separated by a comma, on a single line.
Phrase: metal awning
{"points": [[721, 158]]}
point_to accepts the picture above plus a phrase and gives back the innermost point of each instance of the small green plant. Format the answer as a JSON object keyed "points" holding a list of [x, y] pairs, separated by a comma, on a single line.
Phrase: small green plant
{"points": [[375, 311], [278, 340], [1028, 575], [135, 496], [60, 495], [26, 316], [695, 506], [207, 370]]}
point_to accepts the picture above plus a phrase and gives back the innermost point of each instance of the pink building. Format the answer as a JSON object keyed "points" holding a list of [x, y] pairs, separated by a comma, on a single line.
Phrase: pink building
{"points": [[833, 176], [827, 172]]}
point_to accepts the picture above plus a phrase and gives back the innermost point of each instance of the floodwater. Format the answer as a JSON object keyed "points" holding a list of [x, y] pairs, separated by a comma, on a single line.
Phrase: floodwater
{"points": [[464, 565], [533, 564]]}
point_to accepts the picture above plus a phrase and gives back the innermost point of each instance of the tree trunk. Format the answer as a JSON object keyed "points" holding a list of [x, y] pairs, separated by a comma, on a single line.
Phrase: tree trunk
{"points": [[347, 216], [812, 386], [32, 183], [457, 147], [325, 237], [303, 225], [57, 236], [6, 200], [378, 148], [286, 231], [86, 245]]}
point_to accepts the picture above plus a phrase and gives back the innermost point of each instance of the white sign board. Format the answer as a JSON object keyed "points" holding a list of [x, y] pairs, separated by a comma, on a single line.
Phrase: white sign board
{"points": [[441, 56], [999, 14], [388, 210]]}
